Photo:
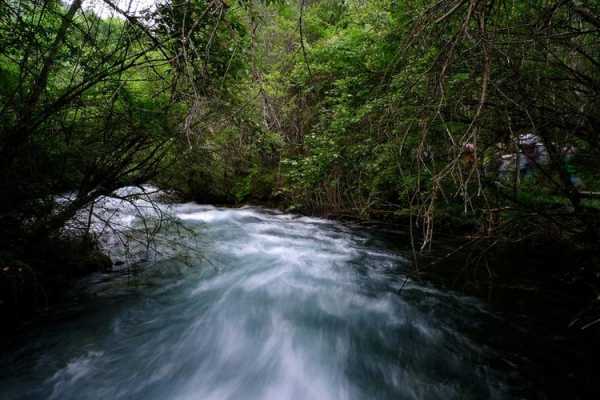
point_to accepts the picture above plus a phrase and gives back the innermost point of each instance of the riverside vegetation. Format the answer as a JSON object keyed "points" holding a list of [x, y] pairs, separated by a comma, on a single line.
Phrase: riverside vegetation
{"points": [[413, 115]]}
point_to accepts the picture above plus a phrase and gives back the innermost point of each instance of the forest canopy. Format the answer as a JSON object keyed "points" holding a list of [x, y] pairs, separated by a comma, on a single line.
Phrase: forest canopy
{"points": [[478, 117]]}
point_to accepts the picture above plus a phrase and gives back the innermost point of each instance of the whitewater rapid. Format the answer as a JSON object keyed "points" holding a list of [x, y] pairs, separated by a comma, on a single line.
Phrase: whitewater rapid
{"points": [[256, 304]]}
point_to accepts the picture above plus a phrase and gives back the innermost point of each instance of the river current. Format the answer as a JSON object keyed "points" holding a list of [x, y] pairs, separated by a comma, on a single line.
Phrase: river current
{"points": [[255, 304]]}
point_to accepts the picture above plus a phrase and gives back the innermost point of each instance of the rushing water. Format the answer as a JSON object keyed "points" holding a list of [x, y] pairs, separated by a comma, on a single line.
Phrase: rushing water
{"points": [[260, 305]]}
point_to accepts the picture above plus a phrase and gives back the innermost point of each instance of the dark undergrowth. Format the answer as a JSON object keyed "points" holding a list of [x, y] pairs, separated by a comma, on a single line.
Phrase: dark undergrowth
{"points": [[547, 291], [36, 277]]}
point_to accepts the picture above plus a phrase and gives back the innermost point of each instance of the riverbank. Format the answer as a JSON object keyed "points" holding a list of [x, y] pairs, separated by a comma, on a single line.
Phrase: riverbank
{"points": [[547, 293], [35, 277]]}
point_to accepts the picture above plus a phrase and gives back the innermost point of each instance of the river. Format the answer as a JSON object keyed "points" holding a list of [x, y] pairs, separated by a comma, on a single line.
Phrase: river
{"points": [[256, 304]]}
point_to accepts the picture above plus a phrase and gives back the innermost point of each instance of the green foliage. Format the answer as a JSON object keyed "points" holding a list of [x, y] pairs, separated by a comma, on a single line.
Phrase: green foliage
{"points": [[374, 103], [366, 111]]}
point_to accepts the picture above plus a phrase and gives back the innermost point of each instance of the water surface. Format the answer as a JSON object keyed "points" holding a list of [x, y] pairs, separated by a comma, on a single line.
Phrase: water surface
{"points": [[254, 304]]}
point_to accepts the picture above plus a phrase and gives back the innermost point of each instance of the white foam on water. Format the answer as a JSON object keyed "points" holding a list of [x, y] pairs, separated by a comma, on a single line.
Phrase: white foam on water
{"points": [[75, 370], [274, 306]]}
